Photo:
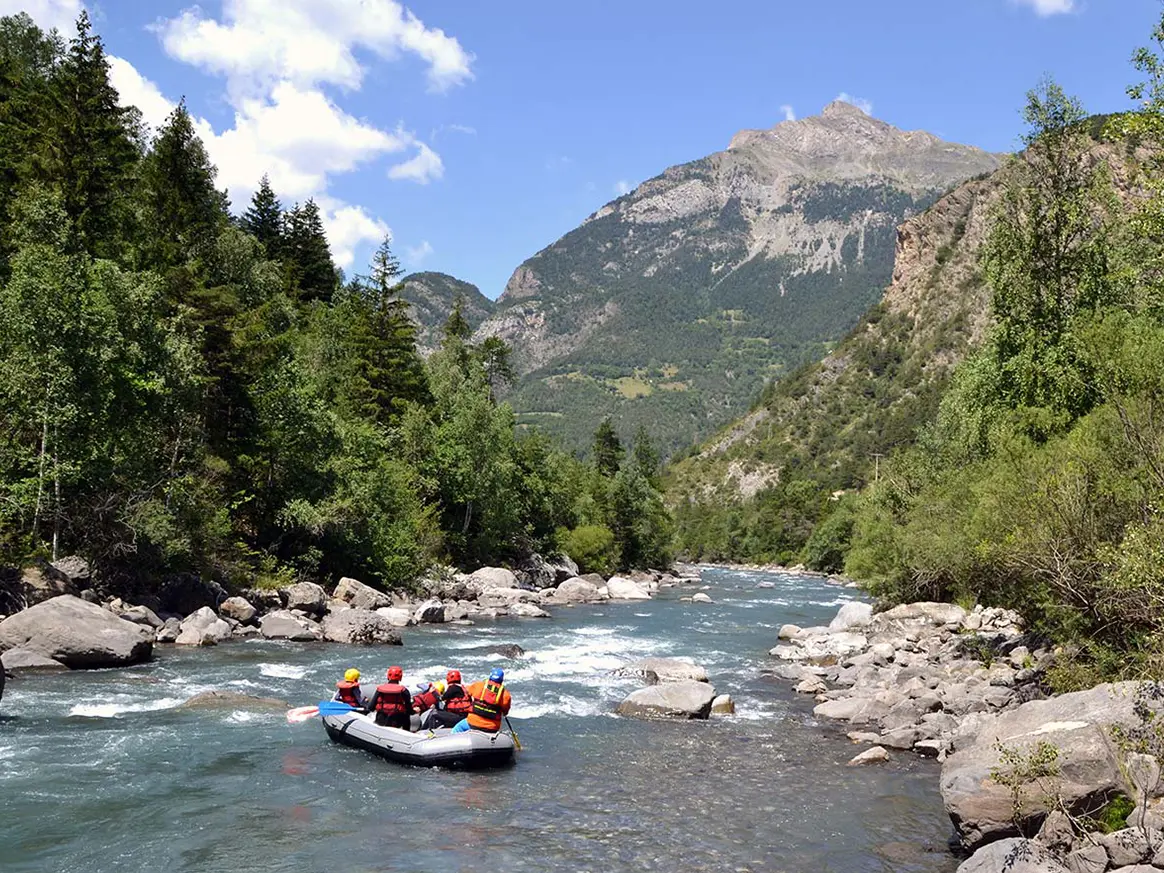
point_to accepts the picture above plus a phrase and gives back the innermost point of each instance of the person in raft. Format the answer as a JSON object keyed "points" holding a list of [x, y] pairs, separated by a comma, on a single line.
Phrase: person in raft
{"points": [[491, 702], [427, 696], [347, 690], [453, 706], [391, 702]]}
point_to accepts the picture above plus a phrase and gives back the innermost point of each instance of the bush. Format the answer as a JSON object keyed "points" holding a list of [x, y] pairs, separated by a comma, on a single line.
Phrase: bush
{"points": [[592, 546]]}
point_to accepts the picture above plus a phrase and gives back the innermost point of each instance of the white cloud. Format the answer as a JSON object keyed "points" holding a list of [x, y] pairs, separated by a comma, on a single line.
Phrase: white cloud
{"points": [[789, 112], [1045, 8], [422, 168], [622, 186], [418, 254], [61, 14], [861, 103], [309, 42], [349, 227], [136, 90]]}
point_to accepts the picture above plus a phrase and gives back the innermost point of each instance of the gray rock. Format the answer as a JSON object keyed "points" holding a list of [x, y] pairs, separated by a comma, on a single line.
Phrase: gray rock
{"points": [[863, 736], [932, 748], [681, 700], [527, 610], [142, 615], [400, 617], [811, 685], [264, 599], [723, 705], [1089, 859], [1013, 855], [1076, 724], [902, 738], [564, 568], [788, 632], [621, 588], [875, 755], [491, 598], [203, 628], [576, 590], [667, 670], [283, 625], [491, 577], [933, 613], [17, 661], [360, 627], [1057, 833], [308, 597], [77, 633], [849, 709], [700, 598], [37, 586], [73, 570], [429, 612], [355, 593], [238, 608], [170, 630], [1137, 868], [851, 615], [1129, 846]]}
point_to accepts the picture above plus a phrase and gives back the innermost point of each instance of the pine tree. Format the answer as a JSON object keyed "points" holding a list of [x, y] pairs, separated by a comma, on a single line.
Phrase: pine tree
{"points": [[183, 208], [645, 457], [311, 271], [456, 327], [264, 219], [92, 149], [608, 450]]}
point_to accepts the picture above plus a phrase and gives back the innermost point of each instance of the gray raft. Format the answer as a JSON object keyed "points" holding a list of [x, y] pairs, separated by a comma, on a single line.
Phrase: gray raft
{"points": [[430, 748]]}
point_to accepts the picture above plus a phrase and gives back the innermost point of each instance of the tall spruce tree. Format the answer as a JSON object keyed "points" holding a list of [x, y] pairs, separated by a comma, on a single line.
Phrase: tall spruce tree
{"points": [[311, 271], [608, 450], [92, 147], [264, 218]]}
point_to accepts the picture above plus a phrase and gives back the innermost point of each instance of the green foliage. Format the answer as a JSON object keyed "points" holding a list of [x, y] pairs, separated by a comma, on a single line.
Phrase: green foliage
{"points": [[592, 546], [1113, 816], [608, 450], [1027, 772]]}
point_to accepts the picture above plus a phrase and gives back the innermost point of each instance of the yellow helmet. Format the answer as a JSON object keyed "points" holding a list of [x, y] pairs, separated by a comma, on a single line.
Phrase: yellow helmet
{"points": [[439, 686], [352, 675]]}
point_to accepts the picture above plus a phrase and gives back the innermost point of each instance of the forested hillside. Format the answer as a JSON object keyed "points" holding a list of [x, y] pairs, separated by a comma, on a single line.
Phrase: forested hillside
{"points": [[182, 389]]}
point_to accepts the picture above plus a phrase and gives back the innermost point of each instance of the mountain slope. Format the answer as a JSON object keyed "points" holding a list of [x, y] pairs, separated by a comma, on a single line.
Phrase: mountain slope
{"points": [[672, 306], [431, 297]]}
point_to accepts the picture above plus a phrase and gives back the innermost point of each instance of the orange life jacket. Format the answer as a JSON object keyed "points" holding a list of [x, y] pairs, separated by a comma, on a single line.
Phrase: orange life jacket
{"points": [[489, 706], [390, 698], [349, 692], [456, 700]]}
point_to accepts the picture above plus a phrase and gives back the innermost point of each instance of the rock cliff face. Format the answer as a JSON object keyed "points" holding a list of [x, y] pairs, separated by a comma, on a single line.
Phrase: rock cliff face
{"points": [[431, 297], [672, 305]]}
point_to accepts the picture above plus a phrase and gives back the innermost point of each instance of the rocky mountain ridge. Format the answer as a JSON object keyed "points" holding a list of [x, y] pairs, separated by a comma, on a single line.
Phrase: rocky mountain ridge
{"points": [[431, 297]]}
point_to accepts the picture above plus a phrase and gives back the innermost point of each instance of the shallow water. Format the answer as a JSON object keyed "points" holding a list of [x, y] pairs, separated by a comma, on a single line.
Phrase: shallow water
{"points": [[100, 771]]}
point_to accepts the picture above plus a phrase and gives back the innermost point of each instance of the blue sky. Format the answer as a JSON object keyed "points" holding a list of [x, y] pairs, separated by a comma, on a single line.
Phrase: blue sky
{"points": [[480, 132]]}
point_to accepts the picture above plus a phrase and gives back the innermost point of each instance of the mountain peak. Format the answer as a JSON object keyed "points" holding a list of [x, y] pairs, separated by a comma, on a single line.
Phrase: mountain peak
{"points": [[842, 108]]}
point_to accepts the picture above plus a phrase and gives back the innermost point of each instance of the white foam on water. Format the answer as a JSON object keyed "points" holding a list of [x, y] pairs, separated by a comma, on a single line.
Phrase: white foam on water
{"points": [[643, 615], [113, 710], [595, 631], [240, 717], [283, 671]]}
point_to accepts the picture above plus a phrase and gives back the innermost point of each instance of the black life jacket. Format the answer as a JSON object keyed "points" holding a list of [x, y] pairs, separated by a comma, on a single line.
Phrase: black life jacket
{"points": [[488, 705], [349, 692], [456, 700], [390, 698]]}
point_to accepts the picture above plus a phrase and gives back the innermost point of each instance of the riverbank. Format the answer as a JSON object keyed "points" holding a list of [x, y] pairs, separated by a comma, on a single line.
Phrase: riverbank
{"points": [[1031, 781], [794, 570]]}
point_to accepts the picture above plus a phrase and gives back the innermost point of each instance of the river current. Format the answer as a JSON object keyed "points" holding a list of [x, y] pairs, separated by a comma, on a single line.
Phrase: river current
{"points": [[103, 771]]}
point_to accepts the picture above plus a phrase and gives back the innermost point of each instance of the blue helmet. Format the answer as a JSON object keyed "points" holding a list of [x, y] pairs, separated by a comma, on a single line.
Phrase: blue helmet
{"points": [[498, 675]]}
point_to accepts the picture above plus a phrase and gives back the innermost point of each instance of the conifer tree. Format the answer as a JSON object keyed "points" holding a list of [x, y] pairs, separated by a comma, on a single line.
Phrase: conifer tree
{"points": [[608, 450], [264, 219], [312, 272]]}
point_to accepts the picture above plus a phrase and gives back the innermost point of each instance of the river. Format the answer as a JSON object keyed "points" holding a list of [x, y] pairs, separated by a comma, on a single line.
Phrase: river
{"points": [[101, 771]]}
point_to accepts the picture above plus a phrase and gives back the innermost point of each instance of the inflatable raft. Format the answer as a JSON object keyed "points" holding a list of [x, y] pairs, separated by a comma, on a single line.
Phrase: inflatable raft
{"points": [[433, 748]]}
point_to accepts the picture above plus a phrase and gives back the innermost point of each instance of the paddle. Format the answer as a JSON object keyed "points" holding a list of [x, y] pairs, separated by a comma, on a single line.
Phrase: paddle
{"points": [[334, 707], [513, 733], [302, 714]]}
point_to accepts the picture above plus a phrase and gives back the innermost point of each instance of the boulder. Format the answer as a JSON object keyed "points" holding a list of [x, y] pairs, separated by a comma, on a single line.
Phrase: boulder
{"points": [[666, 669], [186, 593], [564, 568], [491, 577], [308, 597], [77, 633], [527, 610], [73, 571], [1126, 847], [283, 625], [493, 598], [169, 631], [875, 755], [360, 627], [852, 615], [723, 705], [788, 632], [811, 685], [355, 593], [429, 612], [37, 586], [1076, 724], [700, 598], [575, 590], [932, 613], [238, 608], [142, 615], [264, 599], [17, 661], [847, 709], [1014, 855], [506, 650], [681, 700], [621, 588], [203, 628], [1089, 859], [397, 616]]}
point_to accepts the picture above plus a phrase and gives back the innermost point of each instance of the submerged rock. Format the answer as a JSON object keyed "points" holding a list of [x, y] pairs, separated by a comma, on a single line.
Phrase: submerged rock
{"points": [[680, 700], [666, 669], [231, 700], [359, 627], [507, 650], [77, 634], [17, 661], [723, 705]]}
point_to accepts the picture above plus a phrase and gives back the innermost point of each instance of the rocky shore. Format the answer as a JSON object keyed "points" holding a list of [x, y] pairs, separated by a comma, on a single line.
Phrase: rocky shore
{"points": [[1032, 783]]}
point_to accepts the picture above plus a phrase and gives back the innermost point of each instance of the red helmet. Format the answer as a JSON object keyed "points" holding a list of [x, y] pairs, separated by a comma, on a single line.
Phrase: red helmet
{"points": [[453, 676], [396, 673]]}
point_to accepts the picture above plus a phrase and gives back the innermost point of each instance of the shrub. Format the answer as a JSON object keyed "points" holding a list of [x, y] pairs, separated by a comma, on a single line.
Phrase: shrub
{"points": [[592, 546]]}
